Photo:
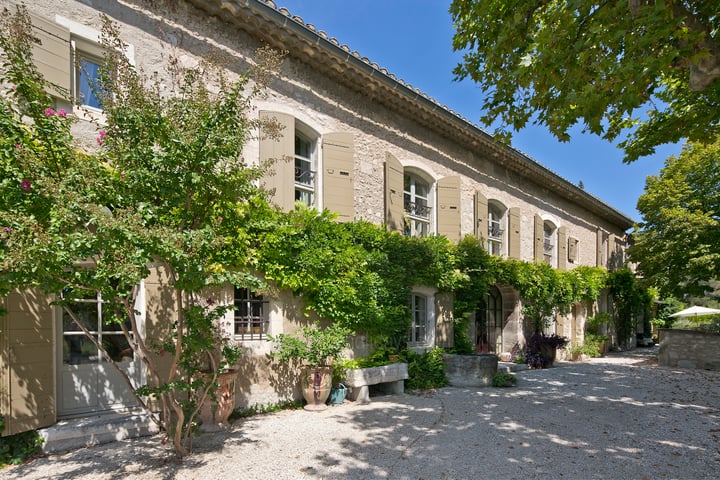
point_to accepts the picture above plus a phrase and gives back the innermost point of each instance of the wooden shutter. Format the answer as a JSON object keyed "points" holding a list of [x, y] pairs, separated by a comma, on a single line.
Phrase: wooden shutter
{"points": [[339, 175], [279, 179], [539, 239], [514, 234], [27, 366], [572, 249], [394, 202], [599, 255], [481, 217], [52, 54], [562, 248], [448, 212], [444, 331]]}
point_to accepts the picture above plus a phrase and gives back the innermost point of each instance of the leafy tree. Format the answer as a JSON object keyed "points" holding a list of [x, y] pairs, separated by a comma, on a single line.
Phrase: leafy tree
{"points": [[165, 188], [677, 245], [558, 63]]}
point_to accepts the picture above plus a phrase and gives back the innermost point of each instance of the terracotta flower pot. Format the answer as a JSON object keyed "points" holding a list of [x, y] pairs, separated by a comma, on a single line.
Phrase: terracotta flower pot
{"points": [[316, 385], [214, 414]]}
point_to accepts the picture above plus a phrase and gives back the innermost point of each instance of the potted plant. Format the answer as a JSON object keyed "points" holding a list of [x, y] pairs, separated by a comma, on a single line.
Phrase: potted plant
{"points": [[596, 328], [314, 352], [541, 349]]}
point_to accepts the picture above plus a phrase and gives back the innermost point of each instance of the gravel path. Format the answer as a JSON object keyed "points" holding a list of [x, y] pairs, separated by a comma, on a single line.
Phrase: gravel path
{"points": [[619, 417]]}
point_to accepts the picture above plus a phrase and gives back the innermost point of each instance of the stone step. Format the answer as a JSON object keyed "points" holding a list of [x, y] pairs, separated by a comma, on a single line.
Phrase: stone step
{"points": [[77, 433], [510, 367]]}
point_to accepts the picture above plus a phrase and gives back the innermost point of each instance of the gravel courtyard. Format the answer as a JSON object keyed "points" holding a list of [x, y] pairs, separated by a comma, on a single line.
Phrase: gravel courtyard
{"points": [[619, 417]]}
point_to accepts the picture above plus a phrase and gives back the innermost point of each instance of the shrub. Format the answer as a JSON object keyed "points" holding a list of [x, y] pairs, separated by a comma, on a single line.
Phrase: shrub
{"points": [[425, 371], [15, 449], [504, 380]]}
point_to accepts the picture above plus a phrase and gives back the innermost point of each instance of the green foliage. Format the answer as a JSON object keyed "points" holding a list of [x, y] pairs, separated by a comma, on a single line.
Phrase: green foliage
{"points": [[677, 245], [316, 346], [561, 63], [166, 187], [630, 301], [502, 380], [258, 409], [16, 449], [425, 371]]}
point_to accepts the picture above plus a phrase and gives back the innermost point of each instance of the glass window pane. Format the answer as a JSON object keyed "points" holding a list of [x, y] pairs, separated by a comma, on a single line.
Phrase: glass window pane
{"points": [[88, 75], [78, 349]]}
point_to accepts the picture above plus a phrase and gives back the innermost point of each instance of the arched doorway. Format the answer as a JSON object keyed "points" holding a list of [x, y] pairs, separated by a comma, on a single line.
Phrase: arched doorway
{"points": [[489, 322]]}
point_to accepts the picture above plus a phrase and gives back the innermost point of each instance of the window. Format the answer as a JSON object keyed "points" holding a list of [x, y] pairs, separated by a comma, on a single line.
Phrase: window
{"points": [[550, 243], [304, 169], [496, 229], [418, 327], [417, 206], [489, 323], [250, 323], [87, 80], [98, 320]]}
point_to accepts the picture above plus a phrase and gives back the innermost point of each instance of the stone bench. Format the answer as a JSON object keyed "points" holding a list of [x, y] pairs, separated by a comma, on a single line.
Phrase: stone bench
{"points": [[389, 378]]}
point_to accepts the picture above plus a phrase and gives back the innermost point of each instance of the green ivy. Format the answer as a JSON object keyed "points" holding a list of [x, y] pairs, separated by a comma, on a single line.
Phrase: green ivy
{"points": [[425, 371], [16, 449]]}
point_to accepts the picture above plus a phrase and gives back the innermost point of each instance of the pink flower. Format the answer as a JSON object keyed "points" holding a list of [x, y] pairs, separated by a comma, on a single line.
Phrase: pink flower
{"points": [[18, 146], [101, 137], [62, 113], [49, 112], [25, 185], [220, 219], [7, 229]]}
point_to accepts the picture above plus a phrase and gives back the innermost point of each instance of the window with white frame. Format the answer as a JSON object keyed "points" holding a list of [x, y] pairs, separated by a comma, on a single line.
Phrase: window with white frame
{"points": [[418, 326], [417, 205], [550, 242], [305, 167], [87, 80], [497, 220], [249, 317], [98, 319]]}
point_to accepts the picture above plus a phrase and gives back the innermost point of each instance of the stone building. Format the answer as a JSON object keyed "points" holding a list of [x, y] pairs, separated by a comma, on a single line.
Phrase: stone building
{"points": [[365, 144]]}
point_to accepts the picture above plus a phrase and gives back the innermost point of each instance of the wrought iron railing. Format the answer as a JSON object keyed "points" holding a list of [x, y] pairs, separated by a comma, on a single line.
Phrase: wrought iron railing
{"points": [[417, 210]]}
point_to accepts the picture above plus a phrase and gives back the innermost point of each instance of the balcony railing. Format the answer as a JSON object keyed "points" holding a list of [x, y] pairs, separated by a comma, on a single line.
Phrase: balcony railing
{"points": [[495, 232], [549, 248], [304, 176]]}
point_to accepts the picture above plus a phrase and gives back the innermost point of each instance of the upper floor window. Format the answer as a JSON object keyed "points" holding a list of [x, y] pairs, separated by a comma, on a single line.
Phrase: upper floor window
{"points": [[305, 172], [496, 229], [416, 193], [250, 323], [418, 326], [550, 243], [87, 80]]}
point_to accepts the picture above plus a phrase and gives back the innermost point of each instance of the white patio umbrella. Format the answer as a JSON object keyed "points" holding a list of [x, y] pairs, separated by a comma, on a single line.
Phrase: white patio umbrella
{"points": [[695, 311]]}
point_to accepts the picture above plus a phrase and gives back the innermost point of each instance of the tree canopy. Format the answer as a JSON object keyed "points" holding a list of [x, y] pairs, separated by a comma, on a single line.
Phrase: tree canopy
{"points": [[677, 245], [598, 64]]}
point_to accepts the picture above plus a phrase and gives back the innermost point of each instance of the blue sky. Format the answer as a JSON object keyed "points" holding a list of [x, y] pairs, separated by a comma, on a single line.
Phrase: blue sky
{"points": [[413, 40]]}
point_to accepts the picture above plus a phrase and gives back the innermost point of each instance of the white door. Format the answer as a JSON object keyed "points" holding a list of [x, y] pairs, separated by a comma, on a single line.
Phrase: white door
{"points": [[87, 383]]}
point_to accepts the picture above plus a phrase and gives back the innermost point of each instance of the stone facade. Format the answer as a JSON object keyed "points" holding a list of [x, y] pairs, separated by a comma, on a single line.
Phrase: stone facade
{"points": [[325, 89]]}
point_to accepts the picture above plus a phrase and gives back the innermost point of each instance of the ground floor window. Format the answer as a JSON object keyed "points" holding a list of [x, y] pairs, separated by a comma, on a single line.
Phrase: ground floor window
{"points": [[418, 327], [250, 323], [92, 314]]}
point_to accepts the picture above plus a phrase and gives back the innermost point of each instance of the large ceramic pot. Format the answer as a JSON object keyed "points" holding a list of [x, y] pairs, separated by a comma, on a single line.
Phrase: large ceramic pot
{"points": [[214, 414], [316, 385]]}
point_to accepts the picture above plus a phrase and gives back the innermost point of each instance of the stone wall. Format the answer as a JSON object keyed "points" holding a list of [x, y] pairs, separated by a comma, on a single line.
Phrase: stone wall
{"points": [[689, 349]]}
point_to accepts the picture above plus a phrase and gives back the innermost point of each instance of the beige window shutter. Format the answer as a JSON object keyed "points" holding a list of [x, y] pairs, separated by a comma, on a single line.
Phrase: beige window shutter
{"points": [[539, 239], [27, 391], [52, 55], [448, 211], [572, 249], [394, 198], [339, 175], [600, 257], [279, 153], [481, 217], [514, 234], [444, 331], [562, 248]]}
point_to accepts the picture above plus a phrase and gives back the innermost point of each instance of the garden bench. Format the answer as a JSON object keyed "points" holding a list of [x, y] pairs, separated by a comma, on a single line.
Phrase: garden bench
{"points": [[389, 378]]}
